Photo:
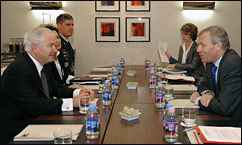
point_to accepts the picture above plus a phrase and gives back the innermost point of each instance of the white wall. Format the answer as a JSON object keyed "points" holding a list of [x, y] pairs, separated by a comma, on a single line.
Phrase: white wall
{"points": [[166, 19]]}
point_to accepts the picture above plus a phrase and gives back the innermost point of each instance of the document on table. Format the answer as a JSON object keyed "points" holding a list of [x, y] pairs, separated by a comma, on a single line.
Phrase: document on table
{"points": [[92, 87], [182, 103], [184, 87], [180, 77], [44, 132], [95, 76], [162, 47], [101, 69], [213, 134], [174, 71]]}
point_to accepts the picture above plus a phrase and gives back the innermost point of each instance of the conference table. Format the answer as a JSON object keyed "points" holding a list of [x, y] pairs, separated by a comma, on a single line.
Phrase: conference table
{"points": [[147, 129]]}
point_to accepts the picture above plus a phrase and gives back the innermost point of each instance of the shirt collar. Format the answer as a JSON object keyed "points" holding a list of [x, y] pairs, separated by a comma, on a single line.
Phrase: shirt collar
{"points": [[64, 38], [184, 45], [218, 61], [37, 64]]}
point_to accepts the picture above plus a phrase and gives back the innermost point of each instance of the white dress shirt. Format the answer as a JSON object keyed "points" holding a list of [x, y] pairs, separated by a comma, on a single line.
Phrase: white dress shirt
{"points": [[184, 56]]}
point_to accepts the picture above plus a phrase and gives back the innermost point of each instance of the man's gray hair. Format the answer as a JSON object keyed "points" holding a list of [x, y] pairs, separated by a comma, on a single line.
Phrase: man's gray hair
{"points": [[35, 36], [217, 34], [62, 17]]}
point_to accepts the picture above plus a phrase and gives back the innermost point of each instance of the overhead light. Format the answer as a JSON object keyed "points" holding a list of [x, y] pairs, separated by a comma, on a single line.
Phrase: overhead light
{"points": [[45, 5], [198, 5]]}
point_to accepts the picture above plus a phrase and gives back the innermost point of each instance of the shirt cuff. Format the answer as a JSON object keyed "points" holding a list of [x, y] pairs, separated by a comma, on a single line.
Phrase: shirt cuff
{"points": [[67, 105], [76, 92], [196, 102], [69, 78], [202, 93]]}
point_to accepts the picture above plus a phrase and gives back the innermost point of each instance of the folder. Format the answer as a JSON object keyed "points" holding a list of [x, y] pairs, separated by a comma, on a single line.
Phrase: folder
{"points": [[219, 135], [44, 132]]}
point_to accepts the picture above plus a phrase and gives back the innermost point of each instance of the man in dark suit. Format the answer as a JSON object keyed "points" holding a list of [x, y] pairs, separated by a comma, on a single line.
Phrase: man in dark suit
{"points": [[27, 90], [220, 91], [65, 26]]}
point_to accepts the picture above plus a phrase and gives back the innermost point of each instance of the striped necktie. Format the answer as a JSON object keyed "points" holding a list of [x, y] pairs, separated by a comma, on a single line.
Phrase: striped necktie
{"points": [[44, 83]]}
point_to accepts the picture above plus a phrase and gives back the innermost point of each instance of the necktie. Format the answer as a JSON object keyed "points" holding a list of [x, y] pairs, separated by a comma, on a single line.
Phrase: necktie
{"points": [[44, 83], [214, 69]]}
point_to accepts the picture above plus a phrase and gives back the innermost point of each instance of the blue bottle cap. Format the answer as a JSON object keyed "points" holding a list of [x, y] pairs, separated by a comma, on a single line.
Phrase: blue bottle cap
{"points": [[122, 58], [114, 71], [106, 83], [91, 107], [177, 143], [168, 106], [117, 63], [159, 83]]}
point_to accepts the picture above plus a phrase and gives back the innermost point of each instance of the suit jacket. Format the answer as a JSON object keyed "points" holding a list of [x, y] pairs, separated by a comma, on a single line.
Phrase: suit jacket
{"points": [[22, 97], [67, 58], [53, 70], [227, 100], [194, 65]]}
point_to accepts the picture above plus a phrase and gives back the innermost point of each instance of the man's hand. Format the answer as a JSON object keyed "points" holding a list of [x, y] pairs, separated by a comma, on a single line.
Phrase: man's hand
{"points": [[194, 96], [206, 98], [89, 91], [171, 66], [83, 97]]}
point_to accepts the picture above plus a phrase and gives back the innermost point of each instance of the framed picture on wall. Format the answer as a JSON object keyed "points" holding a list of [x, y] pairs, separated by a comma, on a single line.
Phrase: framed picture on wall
{"points": [[107, 6], [137, 29], [107, 29], [137, 6]]}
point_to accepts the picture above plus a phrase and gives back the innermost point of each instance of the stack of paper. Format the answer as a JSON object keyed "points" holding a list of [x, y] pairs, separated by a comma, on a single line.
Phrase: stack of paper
{"points": [[182, 103], [102, 69], [180, 77], [184, 87], [43, 132]]}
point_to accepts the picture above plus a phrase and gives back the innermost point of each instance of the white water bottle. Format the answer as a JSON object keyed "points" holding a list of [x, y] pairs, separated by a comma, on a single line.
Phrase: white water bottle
{"points": [[122, 62], [160, 93]]}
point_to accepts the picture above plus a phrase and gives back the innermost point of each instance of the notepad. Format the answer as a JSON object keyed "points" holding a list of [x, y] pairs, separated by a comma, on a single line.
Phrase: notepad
{"points": [[92, 87], [184, 87], [44, 132]]}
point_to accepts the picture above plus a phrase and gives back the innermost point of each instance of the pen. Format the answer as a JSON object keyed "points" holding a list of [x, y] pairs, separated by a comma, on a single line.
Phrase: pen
{"points": [[197, 138]]}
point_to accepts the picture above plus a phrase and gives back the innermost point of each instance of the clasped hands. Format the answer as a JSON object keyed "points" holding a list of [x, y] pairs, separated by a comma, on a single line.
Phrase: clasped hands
{"points": [[205, 98], [85, 95]]}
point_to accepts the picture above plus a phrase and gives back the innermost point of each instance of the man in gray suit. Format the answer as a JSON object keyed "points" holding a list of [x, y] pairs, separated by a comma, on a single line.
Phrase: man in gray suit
{"points": [[220, 90]]}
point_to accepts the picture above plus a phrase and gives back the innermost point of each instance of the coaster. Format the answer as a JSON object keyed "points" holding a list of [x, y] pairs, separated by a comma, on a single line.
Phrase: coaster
{"points": [[182, 124]]}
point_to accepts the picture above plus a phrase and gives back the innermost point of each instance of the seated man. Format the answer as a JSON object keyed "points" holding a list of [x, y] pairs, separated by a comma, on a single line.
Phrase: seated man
{"points": [[220, 90], [27, 91]]}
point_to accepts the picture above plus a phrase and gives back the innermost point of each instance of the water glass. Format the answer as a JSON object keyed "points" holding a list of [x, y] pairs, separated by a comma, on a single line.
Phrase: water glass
{"points": [[169, 92], [83, 106], [62, 136], [189, 116], [101, 88]]}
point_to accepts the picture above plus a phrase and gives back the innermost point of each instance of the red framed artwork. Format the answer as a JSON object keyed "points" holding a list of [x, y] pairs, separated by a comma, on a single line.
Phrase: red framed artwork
{"points": [[137, 6], [137, 29], [107, 29], [107, 6]]}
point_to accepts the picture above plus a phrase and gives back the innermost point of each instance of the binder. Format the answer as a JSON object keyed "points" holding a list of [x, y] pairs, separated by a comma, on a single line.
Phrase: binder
{"points": [[205, 140]]}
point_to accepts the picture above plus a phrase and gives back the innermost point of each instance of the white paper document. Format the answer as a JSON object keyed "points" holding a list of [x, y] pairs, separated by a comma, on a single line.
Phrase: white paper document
{"points": [[102, 69], [92, 87], [44, 132], [184, 87], [162, 47], [95, 76], [182, 103], [174, 71], [180, 76], [221, 134]]}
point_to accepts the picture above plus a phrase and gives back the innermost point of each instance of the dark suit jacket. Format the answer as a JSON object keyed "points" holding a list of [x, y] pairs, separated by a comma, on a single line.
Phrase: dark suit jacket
{"points": [[53, 70], [194, 65], [22, 97], [67, 58], [227, 99]]}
